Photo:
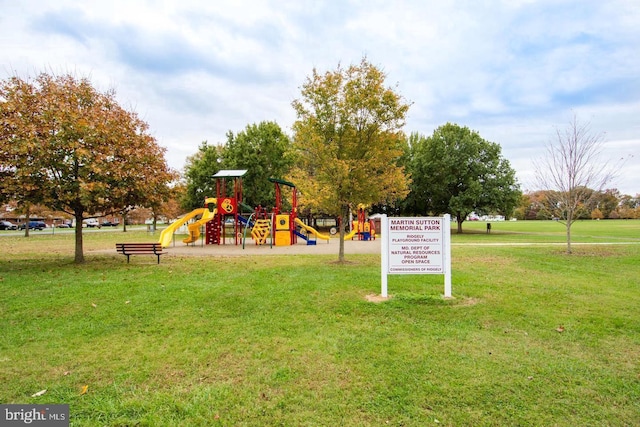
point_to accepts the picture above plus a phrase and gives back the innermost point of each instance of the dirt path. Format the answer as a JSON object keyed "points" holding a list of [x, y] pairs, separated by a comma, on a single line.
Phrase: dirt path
{"points": [[324, 248], [320, 248]]}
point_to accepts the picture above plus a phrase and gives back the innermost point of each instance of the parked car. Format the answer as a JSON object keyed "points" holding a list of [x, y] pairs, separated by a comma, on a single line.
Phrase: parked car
{"points": [[110, 224], [64, 225], [7, 225], [91, 222], [33, 225]]}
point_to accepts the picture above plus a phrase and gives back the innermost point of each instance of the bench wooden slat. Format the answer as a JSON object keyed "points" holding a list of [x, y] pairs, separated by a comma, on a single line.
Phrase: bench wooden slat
{"points": [[129, 249]]}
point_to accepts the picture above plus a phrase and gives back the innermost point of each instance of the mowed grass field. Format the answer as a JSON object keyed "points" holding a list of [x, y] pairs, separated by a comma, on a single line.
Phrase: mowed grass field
{"points": [[533, 336]]}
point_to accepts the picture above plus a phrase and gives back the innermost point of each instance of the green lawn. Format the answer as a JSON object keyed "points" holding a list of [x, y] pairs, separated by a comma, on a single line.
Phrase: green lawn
{"points": [[532, 337], [551, 231]]}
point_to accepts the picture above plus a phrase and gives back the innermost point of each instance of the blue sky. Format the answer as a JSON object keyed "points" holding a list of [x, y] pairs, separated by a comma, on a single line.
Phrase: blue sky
{"points": [[513, 70]]}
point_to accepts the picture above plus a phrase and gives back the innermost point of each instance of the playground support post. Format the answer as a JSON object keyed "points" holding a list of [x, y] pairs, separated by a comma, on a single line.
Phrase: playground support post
{"points": [[246, 227]]}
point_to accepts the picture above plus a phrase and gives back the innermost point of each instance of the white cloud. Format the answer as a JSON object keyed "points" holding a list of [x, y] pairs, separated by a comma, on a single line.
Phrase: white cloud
{"points": [[512, 70]]}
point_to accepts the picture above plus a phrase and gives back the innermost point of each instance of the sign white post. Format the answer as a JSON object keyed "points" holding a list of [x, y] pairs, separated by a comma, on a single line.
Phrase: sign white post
{"points": [[416, 245], [384, 252], [447, 255]]}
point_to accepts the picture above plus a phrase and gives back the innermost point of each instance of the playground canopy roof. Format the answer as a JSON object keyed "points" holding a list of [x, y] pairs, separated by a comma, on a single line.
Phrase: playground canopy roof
{"points": [[282, 181], [231, 173]]}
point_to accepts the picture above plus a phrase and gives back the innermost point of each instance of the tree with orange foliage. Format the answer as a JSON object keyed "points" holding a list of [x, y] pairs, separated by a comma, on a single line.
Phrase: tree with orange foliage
{"points": [[20, 146], [73, 148]]}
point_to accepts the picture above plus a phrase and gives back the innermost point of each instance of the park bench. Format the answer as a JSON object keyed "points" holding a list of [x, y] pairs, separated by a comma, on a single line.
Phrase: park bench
{"points": [[129, 249]]}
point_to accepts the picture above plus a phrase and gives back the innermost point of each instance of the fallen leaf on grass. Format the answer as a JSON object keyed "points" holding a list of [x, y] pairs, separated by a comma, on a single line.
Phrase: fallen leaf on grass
{"points": [[93, 304], [84, 390], [127, 302], [40, 393], [560, 329]]}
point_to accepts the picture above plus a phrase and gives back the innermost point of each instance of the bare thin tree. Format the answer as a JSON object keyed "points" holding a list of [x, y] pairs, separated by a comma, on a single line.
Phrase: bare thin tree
{"points": [[571, 168]]}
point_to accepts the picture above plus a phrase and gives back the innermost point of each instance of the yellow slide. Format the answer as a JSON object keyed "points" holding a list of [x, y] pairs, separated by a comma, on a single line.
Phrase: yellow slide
{"points": [[194, 228], [312, 230], [167, 234], [351, 234]]}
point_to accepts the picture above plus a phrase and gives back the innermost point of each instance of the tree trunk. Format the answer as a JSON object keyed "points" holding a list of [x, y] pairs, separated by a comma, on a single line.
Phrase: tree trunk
{"points": [[27, 218], [568, 238], [569, 223], [124, 222], [343, 217], [79, 255], [460, 220]]}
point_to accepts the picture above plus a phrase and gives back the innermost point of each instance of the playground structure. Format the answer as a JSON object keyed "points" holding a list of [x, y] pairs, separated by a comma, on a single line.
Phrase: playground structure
{"points": [[206, 214], [275, 227], [362, 227]]}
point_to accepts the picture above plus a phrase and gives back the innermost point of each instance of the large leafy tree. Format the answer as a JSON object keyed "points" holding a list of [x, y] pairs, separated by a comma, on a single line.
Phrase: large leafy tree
{"points": [[198, 175], [20, 145], [607, 202], [89, 156], [265, 152], [348, 141], [458, 172]]}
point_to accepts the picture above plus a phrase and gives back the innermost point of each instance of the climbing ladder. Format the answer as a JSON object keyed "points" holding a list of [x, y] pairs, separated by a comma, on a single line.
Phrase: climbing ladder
{"points": [[260, 231], [213, 231]]}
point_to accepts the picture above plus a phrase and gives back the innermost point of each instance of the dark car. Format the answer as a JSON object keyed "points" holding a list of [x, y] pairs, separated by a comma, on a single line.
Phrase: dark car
{"points": [[6, 225], [34, 225], [110, 224]]}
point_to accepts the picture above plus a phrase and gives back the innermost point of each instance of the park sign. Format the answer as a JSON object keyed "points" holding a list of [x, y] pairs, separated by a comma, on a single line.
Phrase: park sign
{"points": [[416, 245]]}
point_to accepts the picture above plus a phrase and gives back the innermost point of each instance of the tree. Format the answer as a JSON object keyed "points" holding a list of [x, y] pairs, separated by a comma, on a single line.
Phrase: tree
{"points": [[198, 175], [347, 140], [596, 214], [160, 193], [630, 206], [397, 206], [90, 156], [572, 166], [20, 147], [456, 171], [607, 201], [264, 151], [171, 208]]}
